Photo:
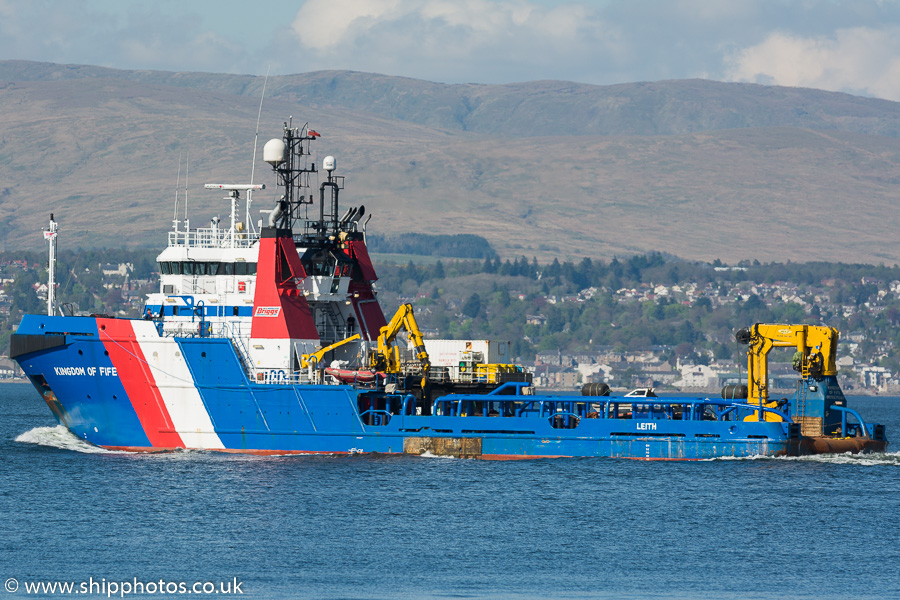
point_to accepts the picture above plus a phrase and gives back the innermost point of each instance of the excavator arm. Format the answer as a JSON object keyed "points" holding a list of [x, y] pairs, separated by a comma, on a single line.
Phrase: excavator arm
{"points": [[816, 348]]}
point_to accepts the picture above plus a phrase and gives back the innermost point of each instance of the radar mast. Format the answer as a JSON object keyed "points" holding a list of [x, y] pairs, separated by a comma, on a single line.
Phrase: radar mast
{"points": [[50, 235], [289, 158]]}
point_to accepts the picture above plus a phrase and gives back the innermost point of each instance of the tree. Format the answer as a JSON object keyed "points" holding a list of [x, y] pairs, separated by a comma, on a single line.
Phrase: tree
{"points": [[704, 304], [503, 299], [555, 268], [555, 321], [472, 306], [684, 349], [411, 272]]}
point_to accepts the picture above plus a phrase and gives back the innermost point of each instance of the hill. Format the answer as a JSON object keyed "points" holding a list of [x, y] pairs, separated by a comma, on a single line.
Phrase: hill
{"points": [[698, 169], [537, 108]]}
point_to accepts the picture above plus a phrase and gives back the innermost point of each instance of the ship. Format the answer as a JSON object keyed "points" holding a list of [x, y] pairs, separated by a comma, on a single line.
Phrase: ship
{"points": [[270, 339]]}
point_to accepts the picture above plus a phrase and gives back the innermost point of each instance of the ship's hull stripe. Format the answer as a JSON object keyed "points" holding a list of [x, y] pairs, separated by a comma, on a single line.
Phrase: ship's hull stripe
{"points": [[135, 374], [177, 388]]}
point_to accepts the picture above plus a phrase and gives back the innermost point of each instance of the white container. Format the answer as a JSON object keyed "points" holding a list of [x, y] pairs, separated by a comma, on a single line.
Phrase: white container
{"points": [[447, 353]]}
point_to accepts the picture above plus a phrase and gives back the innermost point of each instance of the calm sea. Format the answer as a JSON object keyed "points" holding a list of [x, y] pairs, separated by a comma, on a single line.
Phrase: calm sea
{"points": [[361, 527]]}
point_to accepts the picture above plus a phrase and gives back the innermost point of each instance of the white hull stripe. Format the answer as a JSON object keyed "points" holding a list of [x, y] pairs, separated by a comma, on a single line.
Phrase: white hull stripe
{"points": [[176, 386]]}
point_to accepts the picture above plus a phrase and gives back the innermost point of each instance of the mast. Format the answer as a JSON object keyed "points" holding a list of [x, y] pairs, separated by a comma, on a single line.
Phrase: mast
{"points": [[234, 194], [289, 158], [255, 144], [177, 182], [50, 235]]}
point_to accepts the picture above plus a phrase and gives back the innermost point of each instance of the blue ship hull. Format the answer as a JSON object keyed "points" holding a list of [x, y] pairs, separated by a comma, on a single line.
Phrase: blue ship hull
{"points": [[204, 371], [104, 381]]}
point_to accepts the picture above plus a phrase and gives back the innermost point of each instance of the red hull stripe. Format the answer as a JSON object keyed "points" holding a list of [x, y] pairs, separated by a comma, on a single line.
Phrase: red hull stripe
{"points": [[134, 373], [155, 450]]}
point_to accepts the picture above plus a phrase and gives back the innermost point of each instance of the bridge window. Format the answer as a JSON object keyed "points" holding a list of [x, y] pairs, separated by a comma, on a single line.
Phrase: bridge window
{"points": [[193, 267]]}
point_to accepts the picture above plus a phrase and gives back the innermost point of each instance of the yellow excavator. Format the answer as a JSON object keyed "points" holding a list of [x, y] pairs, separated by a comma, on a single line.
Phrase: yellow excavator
{"points": [[816, 347], [386, 356]]}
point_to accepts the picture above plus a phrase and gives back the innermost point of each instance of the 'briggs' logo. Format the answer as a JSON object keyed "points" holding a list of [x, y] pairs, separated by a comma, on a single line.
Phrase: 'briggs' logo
{"points": [[267, 311]]}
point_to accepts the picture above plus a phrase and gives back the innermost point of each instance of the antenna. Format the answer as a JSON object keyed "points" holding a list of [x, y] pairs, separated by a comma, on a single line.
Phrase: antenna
{"points": [[187, 172], [255, 144], [289, 158], [234, 193], [177, 182], [50, 235]]}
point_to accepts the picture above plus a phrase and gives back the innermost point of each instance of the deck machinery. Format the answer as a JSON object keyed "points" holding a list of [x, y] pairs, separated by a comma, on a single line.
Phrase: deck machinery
{"points": [[818, 406]]}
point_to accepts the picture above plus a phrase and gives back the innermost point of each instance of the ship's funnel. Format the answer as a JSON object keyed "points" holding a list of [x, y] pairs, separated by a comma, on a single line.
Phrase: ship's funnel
{"points": [[347, 215], [359, 213]]}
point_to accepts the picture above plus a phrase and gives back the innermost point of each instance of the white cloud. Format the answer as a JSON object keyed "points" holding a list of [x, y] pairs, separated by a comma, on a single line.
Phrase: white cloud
{"points": [[857, 60], [849, 45], [513, 40], [324, 24]]}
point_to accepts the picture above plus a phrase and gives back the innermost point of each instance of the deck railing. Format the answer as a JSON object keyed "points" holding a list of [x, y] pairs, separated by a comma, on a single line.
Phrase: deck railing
{"points": [[212, 237]]}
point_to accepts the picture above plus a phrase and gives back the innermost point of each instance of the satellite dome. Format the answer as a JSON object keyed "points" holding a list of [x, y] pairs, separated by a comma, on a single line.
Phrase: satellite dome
{"points": [[273, 152], [329, 164]]}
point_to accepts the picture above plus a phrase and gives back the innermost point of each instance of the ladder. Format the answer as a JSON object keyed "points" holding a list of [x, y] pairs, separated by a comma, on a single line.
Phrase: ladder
{"points": [[802, 388]]}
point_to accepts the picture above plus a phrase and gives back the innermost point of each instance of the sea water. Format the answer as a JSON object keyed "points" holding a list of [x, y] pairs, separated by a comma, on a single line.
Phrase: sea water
{"points": [[410, 527]]}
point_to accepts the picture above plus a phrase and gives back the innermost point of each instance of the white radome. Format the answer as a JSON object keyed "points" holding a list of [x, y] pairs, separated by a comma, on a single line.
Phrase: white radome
{"points": [[273, 152]]}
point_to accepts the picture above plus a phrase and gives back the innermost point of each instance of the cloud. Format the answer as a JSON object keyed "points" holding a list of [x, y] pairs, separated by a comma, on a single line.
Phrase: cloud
{"points": [[861, 60], [324, 25], [847, 45], [510, 40], [149, 40], [138, 37]]}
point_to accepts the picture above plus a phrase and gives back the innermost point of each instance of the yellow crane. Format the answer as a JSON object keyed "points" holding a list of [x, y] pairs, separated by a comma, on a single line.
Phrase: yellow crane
{"points": [[386, 357], [319, 354], [816, 347]]}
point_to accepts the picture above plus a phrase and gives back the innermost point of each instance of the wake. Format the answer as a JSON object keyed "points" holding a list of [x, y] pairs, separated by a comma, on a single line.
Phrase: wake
{"points": [[863, 460], [62, 438]]}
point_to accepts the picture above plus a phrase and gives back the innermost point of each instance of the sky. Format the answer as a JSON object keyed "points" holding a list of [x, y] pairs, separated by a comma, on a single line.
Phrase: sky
{"points": [[839, 45]]}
